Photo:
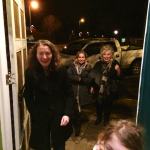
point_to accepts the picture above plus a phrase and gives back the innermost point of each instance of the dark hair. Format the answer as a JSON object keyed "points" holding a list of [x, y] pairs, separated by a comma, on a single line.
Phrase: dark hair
{"points": [[33, 62], [129, 134], [81, 52]]}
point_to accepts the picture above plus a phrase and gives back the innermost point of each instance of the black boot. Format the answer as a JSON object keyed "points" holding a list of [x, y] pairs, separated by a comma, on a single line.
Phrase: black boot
{"points": [[77, 130]]}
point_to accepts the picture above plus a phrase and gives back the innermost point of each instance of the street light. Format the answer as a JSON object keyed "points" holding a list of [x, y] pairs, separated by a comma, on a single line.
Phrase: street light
{"points": [[116, 32], [33, 4], [82, 20]]}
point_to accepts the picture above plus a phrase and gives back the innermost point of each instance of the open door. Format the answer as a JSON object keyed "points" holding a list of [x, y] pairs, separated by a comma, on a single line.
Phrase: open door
{"points": [[5, 113], [14, 117]]}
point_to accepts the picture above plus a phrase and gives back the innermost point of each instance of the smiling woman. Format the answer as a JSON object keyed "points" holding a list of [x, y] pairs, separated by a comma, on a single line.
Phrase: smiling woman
{"points": [[78, 72], [49, 104], [44, 56]]}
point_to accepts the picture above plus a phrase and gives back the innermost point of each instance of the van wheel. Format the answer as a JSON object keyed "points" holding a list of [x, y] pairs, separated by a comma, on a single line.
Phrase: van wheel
{"points": [[136, 67]]}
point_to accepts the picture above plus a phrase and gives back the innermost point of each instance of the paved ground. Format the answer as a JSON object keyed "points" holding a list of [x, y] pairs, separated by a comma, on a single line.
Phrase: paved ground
{"points": [[123, 109]]}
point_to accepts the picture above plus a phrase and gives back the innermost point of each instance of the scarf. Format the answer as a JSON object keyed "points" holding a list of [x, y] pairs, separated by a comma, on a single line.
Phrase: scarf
{"points": [[103, 90], [79, 67]]}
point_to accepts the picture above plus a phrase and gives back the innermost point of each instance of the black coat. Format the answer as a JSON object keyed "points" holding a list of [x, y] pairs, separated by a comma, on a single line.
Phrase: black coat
{"points": [[81, 83], [51, 92], [113, 78], [48, 98]]}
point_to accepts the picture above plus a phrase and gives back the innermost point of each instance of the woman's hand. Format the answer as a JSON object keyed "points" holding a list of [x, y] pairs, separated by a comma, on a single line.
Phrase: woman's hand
{"points": [[92, 90], [64, 120], [117, 68]]}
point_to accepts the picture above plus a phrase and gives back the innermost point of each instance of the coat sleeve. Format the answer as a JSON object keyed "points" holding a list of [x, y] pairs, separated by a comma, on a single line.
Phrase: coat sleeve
{"points": [[85, 76], [73, 76], [94, 74], [113, 73], [29, 92], [69, 95]]}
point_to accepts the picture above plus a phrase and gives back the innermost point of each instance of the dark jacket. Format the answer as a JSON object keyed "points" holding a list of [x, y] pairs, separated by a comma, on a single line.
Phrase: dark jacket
{"points": [[80, 83], [48, 98], [111, 74], [48, 93]]}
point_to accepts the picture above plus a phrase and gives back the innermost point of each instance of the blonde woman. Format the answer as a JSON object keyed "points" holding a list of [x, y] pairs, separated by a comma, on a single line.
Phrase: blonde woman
{"points": [[105, 75]]}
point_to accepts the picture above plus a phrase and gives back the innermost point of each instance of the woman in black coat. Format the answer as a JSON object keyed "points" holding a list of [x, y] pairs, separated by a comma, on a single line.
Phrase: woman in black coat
{"points": [[78, 73], [105, 76], [49, 98]]}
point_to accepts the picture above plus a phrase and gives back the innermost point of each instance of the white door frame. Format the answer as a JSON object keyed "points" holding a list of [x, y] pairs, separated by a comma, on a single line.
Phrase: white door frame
{"points": [[14, 45], [5, 114]]}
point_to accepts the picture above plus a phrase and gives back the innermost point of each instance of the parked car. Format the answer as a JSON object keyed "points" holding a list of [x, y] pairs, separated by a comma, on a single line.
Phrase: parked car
{"points": [[127, 56], [90, 46], [132, 55]]}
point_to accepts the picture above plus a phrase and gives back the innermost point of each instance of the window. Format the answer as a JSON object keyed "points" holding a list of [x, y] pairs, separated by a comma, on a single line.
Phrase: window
{"points": [[22, 24], [94, 48], [73, 48], [16, 18]]}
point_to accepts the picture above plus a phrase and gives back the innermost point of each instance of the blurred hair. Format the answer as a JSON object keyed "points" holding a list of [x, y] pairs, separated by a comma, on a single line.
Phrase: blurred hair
{"points": [[81, 52], [33, 62], [128, 133]]}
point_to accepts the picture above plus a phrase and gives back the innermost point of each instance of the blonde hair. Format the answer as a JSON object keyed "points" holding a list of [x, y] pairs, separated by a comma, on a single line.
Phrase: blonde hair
{"points": [[104, 48]]}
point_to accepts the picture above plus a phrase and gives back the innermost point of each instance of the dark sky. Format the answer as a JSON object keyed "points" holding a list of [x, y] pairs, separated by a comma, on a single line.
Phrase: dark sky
{"points": [[128, 16]]}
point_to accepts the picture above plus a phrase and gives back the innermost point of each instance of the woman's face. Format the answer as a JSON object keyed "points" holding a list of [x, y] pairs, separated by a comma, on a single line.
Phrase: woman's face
{"points": [[44, 55], [81, 58], [107, 55], [115, 144]]}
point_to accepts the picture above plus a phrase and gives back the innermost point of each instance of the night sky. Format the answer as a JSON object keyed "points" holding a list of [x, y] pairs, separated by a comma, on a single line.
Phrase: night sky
{"points": [[102, 16]]}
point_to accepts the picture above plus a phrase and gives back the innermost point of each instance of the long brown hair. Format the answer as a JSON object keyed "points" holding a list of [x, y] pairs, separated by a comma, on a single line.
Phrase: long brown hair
{"points": [[33, 62]]}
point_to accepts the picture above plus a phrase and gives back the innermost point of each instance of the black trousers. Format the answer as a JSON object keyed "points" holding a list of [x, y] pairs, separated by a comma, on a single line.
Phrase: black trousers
{"points": [[46, 131], [104, 107], [76, 118]]}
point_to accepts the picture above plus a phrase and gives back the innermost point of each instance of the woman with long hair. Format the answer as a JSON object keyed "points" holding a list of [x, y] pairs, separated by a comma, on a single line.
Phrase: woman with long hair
{"points": [[78, 73], [48, 96]]}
